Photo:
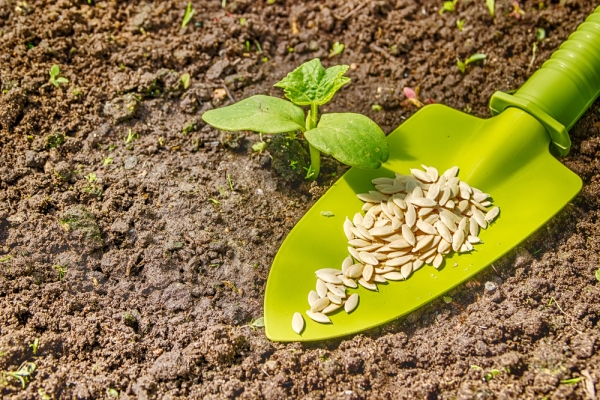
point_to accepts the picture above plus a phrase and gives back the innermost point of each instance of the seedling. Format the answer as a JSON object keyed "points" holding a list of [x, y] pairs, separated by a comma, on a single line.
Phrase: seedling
{"points": [[460, 24], [258, 323], [111, 392], [598, 275], [185, 80], [462, 66], [491, 5], [107, 160], [517, 12], [62, 271], [336, 49], [55, 79], [187, 17], [23, 374], [258, 47], [571, 381], [259, 147], [131, 136], [540, 34], [448, 6], [34, 346], [353, 139], [376, 107], [230, 182]]}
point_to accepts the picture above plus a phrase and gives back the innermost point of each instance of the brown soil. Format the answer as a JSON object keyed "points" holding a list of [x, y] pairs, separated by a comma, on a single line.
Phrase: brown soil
{"points": [[160, 281]]}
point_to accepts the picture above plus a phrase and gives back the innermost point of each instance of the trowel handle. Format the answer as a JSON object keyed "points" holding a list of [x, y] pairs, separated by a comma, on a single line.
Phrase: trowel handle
{"points": [[564, 87]]}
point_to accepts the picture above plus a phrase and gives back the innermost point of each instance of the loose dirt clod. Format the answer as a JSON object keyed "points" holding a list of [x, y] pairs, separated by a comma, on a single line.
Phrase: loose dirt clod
{"points": [[410, 221]]}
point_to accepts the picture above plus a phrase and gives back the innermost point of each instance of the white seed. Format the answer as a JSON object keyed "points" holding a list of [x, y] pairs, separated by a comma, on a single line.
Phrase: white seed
{"points": [[321, 288], [368, 198], [457, 239], [386, 211], [297, 323], [348, 229], [312, 297], [423, 243], [333, 298], [410, 215], [492, 214], [462, 225], [454, 189], [359, 243], [410, 185], [473, 239], [397, 254], [468, 245], [473, 227], [423, 202], [463, 205], [450, 204], [445, 196], [417, 193], [318, 317], [420, 175], [396, 223], [426, 228], [433, 192], [351, 283], [364, 233], [393, 276], [375, 210], [408, 235], [463, 192], [444, 247], [381, 231], [443, 230], [378, 279], [347, 264], [399, 202], [417, 264], [392, 189], [380, 256], [353, 252], [432, 219], [437, 261], [380, 196], [351, 303], [372, 247], [448, 221], [332, 307], [354, 272], [428, 254], [399, 244], [429, 260], [479, 197], [320, 304], [433, 173], [329, 278], [358, 219], [338, 290], [382, 221], [367, 285], [478, 205], [406, 270], [382, 181], [396, 262], [331, 271], [367, 258], [479, 217], [452, 181], [367, 206], [384, 270], [367, 272], [368, 221], [451, 173]]}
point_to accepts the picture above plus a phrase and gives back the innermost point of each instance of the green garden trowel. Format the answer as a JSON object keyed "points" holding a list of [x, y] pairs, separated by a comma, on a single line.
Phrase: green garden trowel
{"points": [[507, 156]]}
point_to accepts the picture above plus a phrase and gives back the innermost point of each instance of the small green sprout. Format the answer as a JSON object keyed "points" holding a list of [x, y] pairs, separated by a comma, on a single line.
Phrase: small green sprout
{"points": [[230, 182], [131, 136], [259, 147], [571, 381], [223, 3], [247, 46], [8, 257], [62, 271], [107, 160], [540, 34], [598, 275], [55, 79], [242, 21], [310, 173], [23, 374], [111, 392], [43, 394], [34, 346], [491, 5], [187, 17], [215, 201], [257, 323], [336, 49], [185, 80], [352, 139], [293, 164], [448, 6], [460, 24], [488, 376], [447, 299], [265, 59], [462, 66], [376, 107], [258, 47]]}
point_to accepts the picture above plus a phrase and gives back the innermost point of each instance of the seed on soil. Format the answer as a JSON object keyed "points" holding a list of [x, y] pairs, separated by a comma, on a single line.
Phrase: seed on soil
{"points": [[297, 323], [351, 303], [318, 317], [408, 221]]}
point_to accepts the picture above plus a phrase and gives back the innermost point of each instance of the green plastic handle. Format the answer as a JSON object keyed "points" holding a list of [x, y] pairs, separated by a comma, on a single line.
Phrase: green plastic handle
{"points": [[564, 87]]}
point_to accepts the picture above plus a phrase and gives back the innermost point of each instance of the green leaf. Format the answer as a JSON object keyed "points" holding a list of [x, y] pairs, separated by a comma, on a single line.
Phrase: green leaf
{"points": [[185, 80], [336, 48], [258, 323], [54, 71], [189, 13], [461, 65], [491, 5], [447, 299], [448, 6], [259, 113], [598, 275], [351, 138], [310, 83], [475, 57], [62, 80]]}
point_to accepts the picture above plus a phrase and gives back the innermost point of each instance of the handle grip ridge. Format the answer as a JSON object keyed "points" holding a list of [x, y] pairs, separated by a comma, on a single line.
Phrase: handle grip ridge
{"points": [[564, 87]]}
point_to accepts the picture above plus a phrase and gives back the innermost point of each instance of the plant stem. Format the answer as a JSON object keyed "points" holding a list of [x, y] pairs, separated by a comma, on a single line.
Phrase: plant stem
{"points": [[315, 155]]}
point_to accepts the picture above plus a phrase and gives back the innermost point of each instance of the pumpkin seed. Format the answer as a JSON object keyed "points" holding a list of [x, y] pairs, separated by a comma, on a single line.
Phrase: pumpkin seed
{"points": [[297, 323], [351, 303], [318, 317]]}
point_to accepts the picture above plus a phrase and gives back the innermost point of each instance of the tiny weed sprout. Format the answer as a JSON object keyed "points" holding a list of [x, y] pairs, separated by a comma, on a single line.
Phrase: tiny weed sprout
{"points": [[352, 139], [540, 34], [336, 49], [517, 12], [131, 136], [107, 161], [257, 323], [185, 80], [34, 346], [598, 274], [460, 24], [55, 79], [62, 271], [23, 374], [491, 5], [376, 107], [462, 66], [187, 17], [448, 6]]}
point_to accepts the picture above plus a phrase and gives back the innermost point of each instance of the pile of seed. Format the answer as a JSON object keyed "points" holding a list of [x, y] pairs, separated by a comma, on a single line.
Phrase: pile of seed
{"points": [[409, 221]]}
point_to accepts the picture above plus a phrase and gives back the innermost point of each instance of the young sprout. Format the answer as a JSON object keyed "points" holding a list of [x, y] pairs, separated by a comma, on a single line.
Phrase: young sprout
{"points": [[62, 271], [353, 139], [131, 136], [462, 66], [107, 160], [376, 107], [257, 323], [55, 79], [187, 17], [336, 49], [24, 373], [448, 6], [517, 12], [460, 24], [185, 80], [540, 34], [491, 5], [34, 346], [259, 147]]}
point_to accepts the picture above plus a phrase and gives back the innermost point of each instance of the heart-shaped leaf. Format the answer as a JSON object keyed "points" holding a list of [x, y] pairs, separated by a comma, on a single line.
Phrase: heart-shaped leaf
{"points": [[259, 113], [310, 83], [351, 138]]}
